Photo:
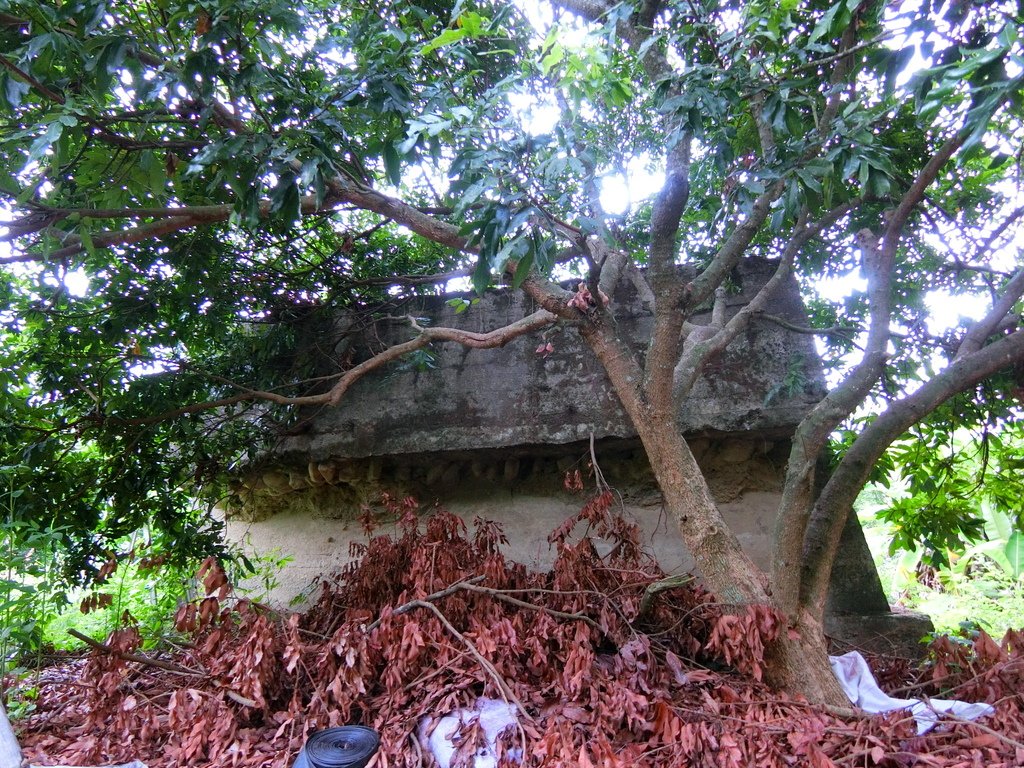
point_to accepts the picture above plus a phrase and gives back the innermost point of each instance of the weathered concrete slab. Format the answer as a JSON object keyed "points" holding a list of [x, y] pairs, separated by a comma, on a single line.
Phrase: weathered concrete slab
{"points": [[513, 396], [492, 433]]}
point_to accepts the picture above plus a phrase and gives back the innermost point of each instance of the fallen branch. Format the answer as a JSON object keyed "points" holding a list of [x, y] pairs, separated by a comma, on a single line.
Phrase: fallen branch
{"points": [[499, 681], [473, 585], [656, 587], [497, 594], [239, 698], [164, 665], [406, 607], [935, 681], [1019, 746]]}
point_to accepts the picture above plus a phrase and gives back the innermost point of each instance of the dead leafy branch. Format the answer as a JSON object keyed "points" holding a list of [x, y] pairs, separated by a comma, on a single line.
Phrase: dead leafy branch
{"points": [[610, 663]]}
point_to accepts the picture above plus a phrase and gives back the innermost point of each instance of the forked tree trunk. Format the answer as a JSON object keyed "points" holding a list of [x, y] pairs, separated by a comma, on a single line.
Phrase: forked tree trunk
{"points": [[797, 660]]}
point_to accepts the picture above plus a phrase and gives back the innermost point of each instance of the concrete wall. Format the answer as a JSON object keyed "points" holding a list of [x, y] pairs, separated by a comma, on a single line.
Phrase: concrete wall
{"points": [[320, 544], [492, 433], [501, 398], [315, 525]]}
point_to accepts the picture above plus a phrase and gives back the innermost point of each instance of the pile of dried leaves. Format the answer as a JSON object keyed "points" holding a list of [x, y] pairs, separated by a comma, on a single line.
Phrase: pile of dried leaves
{"points": [[605, 669]]}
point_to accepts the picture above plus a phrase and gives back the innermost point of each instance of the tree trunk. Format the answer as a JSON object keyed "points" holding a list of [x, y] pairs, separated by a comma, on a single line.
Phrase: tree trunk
{"points": [[797, 662], [727, 570], [729, 573]]}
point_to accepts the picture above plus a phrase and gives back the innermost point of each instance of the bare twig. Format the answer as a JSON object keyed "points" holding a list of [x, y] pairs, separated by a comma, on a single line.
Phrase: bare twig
{"points": [[440, 594], [602, 484], [656, 587], [497, 594], [473, 585], [843, 331], [244, 701], [981, 727], [165, 665], [506, 691], [439, 277]]}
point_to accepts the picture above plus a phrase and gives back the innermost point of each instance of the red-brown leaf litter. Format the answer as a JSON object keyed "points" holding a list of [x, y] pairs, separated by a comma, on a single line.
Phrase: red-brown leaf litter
{"points": [[430, 620]]}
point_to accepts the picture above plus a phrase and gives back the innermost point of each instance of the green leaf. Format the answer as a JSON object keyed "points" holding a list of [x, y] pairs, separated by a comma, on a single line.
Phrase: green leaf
{"points": [[446, 38], [84, 233], [823, 27], [44, 142], [481, 277], [14, 89], [523, 267], [392, 165], [1014, 552], [473, 23]]}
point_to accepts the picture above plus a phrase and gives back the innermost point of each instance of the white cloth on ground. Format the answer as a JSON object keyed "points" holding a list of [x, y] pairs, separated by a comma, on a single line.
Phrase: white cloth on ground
{"points": [[495, 716], [860, 686]]}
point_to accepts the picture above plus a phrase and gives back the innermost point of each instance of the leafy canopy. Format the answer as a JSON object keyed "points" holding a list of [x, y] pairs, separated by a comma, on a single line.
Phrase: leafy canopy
{"points": [[188, 184]]}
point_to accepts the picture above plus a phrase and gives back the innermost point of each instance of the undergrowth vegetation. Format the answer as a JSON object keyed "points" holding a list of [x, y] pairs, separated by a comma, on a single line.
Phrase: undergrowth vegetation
{"points": [[605, 662], [148, 592], [42, 616], [971, 592], [30, 591], [943, 521]]}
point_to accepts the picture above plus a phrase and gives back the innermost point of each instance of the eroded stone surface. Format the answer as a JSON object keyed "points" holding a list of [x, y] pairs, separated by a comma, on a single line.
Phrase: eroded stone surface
{"points": [[515, 396], [340, 488], [495, 433]]}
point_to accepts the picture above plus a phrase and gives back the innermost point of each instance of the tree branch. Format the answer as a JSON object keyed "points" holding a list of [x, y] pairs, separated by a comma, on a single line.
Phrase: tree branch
{"points": [[663, 350], [27, 78], [432, 597], [499, 337], [843, 331], [701, 288], [914, 195], [167, 223], [164, 665], [439, 277], [591, 10], [497, 594], [975, 338], [852, 472], [843, 66], [731, 251], [704, 346], [878, 263], [504, 688], [343, 189]]}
